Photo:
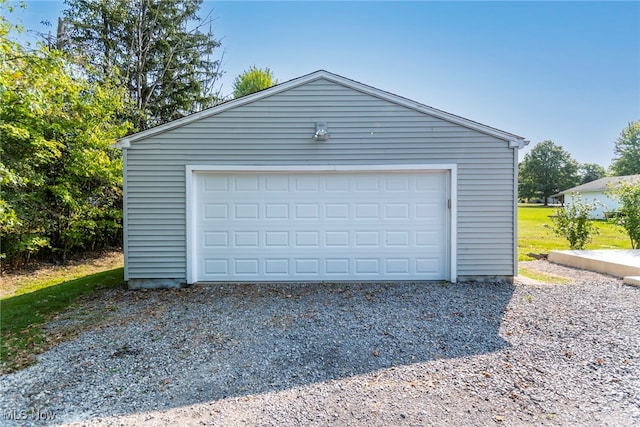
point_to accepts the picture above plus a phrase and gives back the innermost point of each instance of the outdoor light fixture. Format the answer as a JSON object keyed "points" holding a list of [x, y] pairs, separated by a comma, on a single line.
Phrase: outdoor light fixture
{"points": [[322, 133]]}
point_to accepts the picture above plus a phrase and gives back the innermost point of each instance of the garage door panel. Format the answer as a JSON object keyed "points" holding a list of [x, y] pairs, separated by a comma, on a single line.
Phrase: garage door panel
{"points": [[316, 226], [216, 239], [336, 211], [336, 183], [307, 211], [370, 238], [244, 211], [307, 266], [276, 183], [397, 265], [216, 183], [306, 183], [276, 239], [337, 266], [244, 183], [246, 266], [216, 267], [336, 239], [276, 211], [216, 211], [397, 183], [277, 266], [367, 266]]}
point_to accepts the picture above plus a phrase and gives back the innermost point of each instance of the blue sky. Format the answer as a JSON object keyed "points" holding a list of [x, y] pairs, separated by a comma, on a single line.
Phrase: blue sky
{"points": [[564, 71]]}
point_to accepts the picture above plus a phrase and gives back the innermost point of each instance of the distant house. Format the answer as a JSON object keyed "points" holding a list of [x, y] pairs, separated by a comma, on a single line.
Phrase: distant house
{"points": [[597, 191]]}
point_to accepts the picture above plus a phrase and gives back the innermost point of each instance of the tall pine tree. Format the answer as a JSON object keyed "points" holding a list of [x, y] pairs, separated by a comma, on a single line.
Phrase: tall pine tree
{"points": [[161, 51]]}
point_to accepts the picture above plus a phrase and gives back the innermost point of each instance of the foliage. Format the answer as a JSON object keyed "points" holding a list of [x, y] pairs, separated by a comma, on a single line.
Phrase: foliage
{"points": [[157, 50], [573, 222], [61, 180], [628, 194], [536, 236], [591, 172], [545, 171], [253, 80], [22, 316], [627, 151]]}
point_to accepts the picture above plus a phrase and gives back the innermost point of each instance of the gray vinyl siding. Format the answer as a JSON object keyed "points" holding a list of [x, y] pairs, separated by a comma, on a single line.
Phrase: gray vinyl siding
{"points": [[276, 130]]}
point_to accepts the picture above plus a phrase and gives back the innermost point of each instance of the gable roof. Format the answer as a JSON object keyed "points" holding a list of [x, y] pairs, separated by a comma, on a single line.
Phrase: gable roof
{"points": [[515, 141], [602, 184]]}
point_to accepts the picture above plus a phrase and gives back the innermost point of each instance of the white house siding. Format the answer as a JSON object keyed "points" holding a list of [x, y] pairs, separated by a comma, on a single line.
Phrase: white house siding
{"points": [[276, 130], [603, 203]]}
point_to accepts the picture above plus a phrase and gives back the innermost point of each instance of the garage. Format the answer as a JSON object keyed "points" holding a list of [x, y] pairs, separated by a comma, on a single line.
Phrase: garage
{"points": [[319, 178], [381, 224]]}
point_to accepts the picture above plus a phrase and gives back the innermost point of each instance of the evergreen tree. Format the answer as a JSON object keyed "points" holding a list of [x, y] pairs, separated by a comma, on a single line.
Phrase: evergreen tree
{"points": [[157, 49]]}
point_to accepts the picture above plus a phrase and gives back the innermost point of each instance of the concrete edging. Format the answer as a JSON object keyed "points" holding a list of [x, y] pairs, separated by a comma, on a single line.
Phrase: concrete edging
{"points": [[632, 280], [589, 260]]}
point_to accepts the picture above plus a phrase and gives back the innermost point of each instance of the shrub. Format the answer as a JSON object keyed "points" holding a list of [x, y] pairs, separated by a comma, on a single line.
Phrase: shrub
{"points": [[628, 215], [574, 223]]}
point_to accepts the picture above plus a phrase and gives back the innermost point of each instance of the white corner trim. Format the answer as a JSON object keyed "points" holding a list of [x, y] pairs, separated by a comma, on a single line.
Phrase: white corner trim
{"points": [[191, 198], [125, 215], [453, 226]]}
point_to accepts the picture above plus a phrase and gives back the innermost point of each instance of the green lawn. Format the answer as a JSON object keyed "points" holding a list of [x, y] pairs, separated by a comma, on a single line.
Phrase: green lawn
{"points": [[535, 234], [22, 316]]}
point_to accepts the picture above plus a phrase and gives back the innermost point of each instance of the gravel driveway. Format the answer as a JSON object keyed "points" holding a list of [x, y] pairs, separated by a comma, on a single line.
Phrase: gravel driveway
{"points": [[337, 354]]}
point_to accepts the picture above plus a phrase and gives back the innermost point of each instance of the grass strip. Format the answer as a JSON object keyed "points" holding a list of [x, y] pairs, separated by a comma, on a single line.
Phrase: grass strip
{"points": [[22, 316], [543, 277]]}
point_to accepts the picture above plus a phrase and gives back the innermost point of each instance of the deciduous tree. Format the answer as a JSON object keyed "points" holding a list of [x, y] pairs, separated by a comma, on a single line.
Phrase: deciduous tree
{"points": [[546, 170], [627, 151], [253, 80], [61, 181], [591, 172], [628, 194]]}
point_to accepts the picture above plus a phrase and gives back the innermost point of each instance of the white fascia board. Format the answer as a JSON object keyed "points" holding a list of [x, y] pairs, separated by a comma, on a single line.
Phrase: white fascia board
{"points": [[518, 143]]}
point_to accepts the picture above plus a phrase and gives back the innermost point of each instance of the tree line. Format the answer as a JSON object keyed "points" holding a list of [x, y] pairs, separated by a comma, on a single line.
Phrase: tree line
{"points": [[548, 169], [112, 68]]}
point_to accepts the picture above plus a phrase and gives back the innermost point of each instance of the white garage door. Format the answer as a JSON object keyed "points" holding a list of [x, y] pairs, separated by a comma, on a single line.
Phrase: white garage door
{"points": [[290, 226]]}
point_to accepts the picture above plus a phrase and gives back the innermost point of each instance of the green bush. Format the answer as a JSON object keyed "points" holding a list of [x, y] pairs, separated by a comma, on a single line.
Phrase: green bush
{"points": [[573, 222], [60, 178], [628, 215]]}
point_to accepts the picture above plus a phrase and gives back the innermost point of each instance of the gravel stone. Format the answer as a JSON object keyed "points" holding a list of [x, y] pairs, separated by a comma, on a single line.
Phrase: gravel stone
{"points": [[352, 354]]}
